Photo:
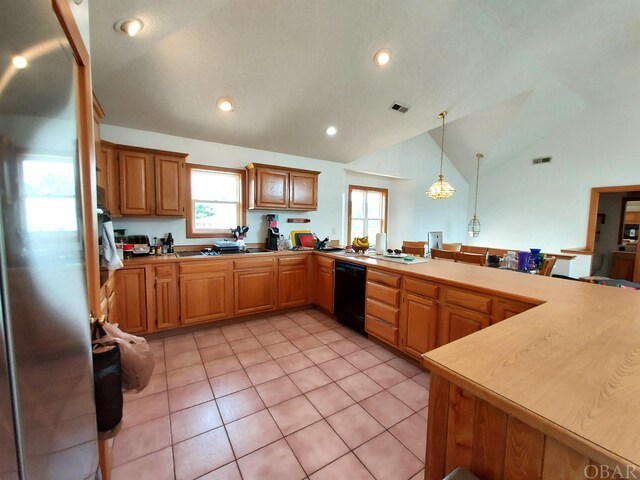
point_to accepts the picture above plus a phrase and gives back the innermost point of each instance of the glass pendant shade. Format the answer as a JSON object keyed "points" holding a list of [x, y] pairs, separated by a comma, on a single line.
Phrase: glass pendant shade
{"points": [[474, 227], [440, 189]]}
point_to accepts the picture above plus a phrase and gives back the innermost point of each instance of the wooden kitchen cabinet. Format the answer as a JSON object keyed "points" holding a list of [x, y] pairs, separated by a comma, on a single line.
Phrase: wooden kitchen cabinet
{"points": [[254, 282], [323, 283], [382, 306], [206, 291], [292, 281], [504, 308], [278, 188], [135, 183], [457, 322], [131, 311], [418, 325], [167, 297], [170, 184]]}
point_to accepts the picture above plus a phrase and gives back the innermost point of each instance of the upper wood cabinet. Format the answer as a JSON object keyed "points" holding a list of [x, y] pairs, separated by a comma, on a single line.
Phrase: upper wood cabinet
{"points": [[135, 183], [278, 188]]}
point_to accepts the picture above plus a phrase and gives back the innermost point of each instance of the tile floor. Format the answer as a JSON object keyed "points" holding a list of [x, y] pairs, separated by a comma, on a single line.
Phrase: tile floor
{"points": [[289, 397]]}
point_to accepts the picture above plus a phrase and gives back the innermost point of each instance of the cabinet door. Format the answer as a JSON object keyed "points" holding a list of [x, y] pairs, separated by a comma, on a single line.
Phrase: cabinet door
{"points": [[324, 289], [504, 308], [205, 296], [292, 286], [271, 188], [418, 326], [112, 193], [254, 290], [135, 183], [167, 299], [303, 191], [458, 323], [132, 300], [170, 181]]}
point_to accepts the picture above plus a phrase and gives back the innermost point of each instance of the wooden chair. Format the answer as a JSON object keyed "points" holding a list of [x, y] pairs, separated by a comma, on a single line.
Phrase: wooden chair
{"points": [[547, 266], [475, 258], [452, 247], [413, 248], [446, 254], [501, 252], [473, 249]]}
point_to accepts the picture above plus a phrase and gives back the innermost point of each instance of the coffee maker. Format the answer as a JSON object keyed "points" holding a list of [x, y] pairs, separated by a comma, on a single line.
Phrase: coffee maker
{"points": [[273, 232]]}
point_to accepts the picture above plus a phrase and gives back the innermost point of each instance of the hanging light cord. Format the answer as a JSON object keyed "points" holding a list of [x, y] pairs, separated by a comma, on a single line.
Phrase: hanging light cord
{"points": [[443, 114], [475, 207]]}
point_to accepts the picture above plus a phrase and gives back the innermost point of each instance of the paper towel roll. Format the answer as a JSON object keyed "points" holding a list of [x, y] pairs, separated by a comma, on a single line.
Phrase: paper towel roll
{"points": [[381, 243]]}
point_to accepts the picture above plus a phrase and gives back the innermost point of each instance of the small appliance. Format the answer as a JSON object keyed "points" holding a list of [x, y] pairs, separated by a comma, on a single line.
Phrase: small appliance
{"points": [[141, 245], [273, 232]]}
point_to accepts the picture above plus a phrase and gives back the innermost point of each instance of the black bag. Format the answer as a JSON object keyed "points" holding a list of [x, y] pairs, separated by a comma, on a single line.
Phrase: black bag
{"points": [[107, 375]]}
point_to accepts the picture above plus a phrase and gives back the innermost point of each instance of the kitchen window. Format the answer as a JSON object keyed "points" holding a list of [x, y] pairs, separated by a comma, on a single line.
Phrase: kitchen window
{"points": [[367, 212], [216, 200]]}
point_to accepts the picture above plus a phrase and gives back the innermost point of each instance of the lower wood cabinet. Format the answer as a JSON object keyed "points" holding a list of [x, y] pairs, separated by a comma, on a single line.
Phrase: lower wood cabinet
{"points": [[254, 290], [382, 306], [323, 284], [167, 297], [131, 310], [504, 308], [293, 289], [206, 292], [418, 325], [457, 322]]}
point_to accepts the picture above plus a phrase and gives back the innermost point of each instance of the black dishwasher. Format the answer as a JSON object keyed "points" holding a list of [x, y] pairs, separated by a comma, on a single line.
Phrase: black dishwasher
{"points": [[349, 294]]}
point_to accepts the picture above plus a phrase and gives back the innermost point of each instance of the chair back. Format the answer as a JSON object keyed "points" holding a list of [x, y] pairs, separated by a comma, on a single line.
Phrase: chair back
{"points": [[547, 266], [501, 252], [475, 258], [413, 248], [447, 254], [452, 247], [474, 249]]}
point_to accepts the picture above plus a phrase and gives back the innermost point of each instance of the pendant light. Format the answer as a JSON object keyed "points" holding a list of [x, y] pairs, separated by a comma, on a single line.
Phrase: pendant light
{"points": [[441, 188], [474, 223]]}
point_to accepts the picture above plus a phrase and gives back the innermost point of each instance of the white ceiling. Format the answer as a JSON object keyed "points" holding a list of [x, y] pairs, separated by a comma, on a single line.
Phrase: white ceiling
{"points": [[506, 71]]}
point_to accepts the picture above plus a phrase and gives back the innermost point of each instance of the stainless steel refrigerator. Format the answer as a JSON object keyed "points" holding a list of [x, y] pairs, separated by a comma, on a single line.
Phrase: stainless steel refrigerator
{"points": [[47, 413]]}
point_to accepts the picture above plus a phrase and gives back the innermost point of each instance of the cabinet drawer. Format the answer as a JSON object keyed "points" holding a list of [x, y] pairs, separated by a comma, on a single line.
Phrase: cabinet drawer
{"points": [[390, 296], [164, 271], [324, 262], [472, 301], [384, 278], [380, 329], [289, 261], [382, 311], [422, 288], [204, 267], [253, 263]]}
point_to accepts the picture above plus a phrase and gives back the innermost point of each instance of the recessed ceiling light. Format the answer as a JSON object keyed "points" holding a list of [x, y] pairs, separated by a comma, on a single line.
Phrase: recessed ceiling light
{"points": [[130, 26], [19, 62], [382, 57], [226, 104], [331, 131]]}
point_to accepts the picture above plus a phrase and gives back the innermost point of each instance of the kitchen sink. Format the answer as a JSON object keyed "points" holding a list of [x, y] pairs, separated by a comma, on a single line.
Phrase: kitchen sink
{"points": [[189, 254]]}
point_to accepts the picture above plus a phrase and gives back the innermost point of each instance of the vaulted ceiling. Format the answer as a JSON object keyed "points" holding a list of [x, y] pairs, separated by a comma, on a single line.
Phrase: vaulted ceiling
{"points": [[505, 71]]}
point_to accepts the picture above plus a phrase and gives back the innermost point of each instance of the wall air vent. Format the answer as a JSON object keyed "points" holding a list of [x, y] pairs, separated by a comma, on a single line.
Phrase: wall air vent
{"points": [[537, 161], [399, 108]]}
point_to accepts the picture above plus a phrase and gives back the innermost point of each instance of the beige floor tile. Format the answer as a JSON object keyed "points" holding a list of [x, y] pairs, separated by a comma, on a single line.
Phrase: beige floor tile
{"points": [[282, 322], [424, 413], [282, 349], [422, 378], [343, 347], [338, 368], [361, 341], [194, 421], [222, 366], [157, 384], [419, 475], [386, 408], [386, 458], [141, 440], [210, 339], [294, 414], [228, 472], [321, 354], [206, 331], [355, 426], [346, 467], [306, 342], [329, 399], [189, 395], [271, 338], [412, 432], [273, 462], [301, 318], [309, 379], [384, 375], [315, 327], [179, 344], [381, 353], [407, 368], [202, 454], [245, 344], [277, 391], [294, 332], [236, 332], [215, 351], [186, 375], [145, 409], [253, 432], [254, 357], [240, 404], [181, 360], [155, 466], [264, 372], [229, 383], [294, 363], [260, 327], [359, 386], [329, 336], [316, 446], [362, 359], [409, 392]]}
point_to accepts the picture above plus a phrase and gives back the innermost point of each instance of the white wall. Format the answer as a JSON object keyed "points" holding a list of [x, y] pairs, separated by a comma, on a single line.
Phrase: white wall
{"points": [[81, 16], [546, 206]]}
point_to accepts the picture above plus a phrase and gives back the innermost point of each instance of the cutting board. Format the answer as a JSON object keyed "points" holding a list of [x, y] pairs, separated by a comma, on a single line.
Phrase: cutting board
{"points": [[293, 235]]}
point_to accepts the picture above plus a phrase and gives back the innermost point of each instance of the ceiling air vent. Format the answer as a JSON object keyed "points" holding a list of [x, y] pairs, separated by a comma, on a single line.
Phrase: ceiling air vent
{"points": [[537, 161], [399, 108]]}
